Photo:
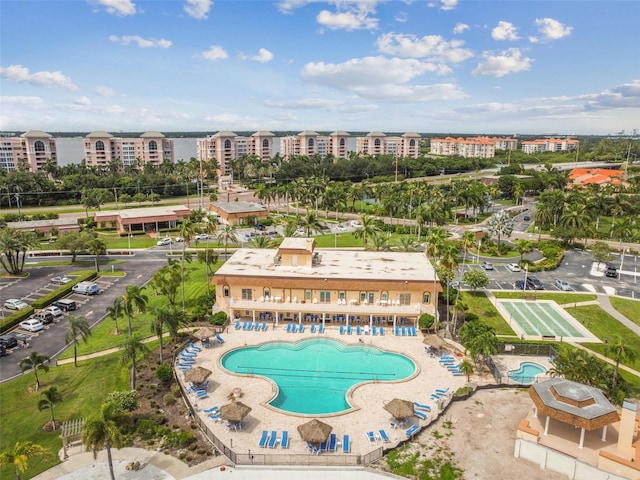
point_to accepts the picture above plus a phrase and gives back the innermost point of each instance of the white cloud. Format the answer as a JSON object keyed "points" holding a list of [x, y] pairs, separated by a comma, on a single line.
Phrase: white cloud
{"points": [[118, 7], [20, 74], [288, 6], [32, 103], [105, 91], [326, 104], [198, 9], [552, 29], [263, 56], [460, 28], [141, 42], [433, 47], [413, 93], [623, 96], [350, 16], [82, 101], [505, 31], [444, 4], [402, 17], [533, 39], [215, 52], [509, 61]]}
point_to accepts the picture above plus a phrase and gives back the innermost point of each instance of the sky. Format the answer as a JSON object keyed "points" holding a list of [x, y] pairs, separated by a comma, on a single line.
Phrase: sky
{"points": [[442, 66]]}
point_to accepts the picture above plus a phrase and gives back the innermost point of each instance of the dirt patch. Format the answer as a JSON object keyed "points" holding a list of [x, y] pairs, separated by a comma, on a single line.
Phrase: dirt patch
{"points": [[476, 438]]}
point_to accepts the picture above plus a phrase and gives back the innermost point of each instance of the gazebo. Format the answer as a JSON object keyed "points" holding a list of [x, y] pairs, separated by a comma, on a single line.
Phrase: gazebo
{"points": [[573, 403]]}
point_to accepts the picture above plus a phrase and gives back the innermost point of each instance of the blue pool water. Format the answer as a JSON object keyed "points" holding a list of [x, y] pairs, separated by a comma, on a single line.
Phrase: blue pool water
{"points": [[313, 376], [526, 373]]}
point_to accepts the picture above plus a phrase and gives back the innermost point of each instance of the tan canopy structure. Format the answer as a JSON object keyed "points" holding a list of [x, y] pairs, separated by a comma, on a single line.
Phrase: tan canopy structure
{"points": [[197, 375], [314, 431], [205, 332], [573, 403], [234, 412], [400, 409]]}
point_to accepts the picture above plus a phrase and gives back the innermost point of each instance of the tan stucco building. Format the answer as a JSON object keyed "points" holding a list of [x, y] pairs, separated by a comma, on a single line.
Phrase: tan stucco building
{"points": [[236, 213], [34, 146], [100, 148]]}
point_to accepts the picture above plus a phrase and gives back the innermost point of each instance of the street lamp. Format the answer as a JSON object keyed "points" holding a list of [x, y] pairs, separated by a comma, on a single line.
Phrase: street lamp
{"points": [[479, 243], [622, 262]]}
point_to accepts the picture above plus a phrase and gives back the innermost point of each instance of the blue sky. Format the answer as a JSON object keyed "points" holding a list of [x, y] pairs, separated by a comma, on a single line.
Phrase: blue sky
{"points": [[448, 66]]}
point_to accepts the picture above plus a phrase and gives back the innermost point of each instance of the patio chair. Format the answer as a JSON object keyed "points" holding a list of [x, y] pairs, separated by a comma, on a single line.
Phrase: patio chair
{"points": [[216, 417], [348, 329], [323, 446], [397, 331], [313, 328], [420, 406], [381, 331], [435, 396], [384, 436], [371, 437], [457, 373], [358, 330], [195, 347], [219, 338], [442, 391], [404, 331], [262, 443], [313, 449], [301, 328], [346, 444], [333, 440], [411, 430], [273, 440], [289, 325], [392, 425], [211, 409], [341, 329], [264, 326], [237, 325], [321, 328], [284, 443], [374, 330], [200, 394], [420, 415]]}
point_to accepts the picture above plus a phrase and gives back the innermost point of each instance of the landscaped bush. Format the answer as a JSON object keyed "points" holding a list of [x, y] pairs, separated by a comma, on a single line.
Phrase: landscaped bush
{"points": [[146, 428], [425, 321], [62, 291], [219, 318], [15, 318], [552, 253], [169, 399], [164, 373]]}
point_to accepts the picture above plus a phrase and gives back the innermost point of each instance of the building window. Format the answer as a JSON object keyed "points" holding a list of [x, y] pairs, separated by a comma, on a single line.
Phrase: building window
{"points": [[227, 145], [38, 146], [342, 296], [225, 292], [384, 296], [425, 298], [266, 292], [363, 297], [153, 146], [265, 143], [246, 294], [307, 295], [325, 297], [405, 299], [100, 146]]}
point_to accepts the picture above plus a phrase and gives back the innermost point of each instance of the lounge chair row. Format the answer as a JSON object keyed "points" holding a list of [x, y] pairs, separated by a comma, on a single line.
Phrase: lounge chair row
{"points": [[380, 435], [331, 445], [251, 326], [272, 439], [406, 331], [349, 329]]}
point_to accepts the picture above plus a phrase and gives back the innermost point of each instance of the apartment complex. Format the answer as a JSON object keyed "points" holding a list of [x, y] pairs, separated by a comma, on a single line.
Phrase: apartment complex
{"points": [[471, 147], [34, 146], [550, 145], [226, 146], [311, 143], [101, 148], [297, 283], [377, 143]]}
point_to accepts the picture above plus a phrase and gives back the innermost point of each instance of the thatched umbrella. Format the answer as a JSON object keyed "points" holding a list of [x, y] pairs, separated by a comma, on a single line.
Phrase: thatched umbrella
{"points": [[399, 408], [205, 332], [234, 412], [314, 431], [197, 375]]}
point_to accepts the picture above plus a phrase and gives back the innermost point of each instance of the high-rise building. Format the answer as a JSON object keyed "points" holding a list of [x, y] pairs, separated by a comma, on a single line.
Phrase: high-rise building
{"points": [[34, 146], [101, 148]]}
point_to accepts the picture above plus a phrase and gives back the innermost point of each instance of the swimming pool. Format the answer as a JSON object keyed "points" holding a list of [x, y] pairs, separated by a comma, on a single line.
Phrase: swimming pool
{"points": [[314, 375], [526, 373]]}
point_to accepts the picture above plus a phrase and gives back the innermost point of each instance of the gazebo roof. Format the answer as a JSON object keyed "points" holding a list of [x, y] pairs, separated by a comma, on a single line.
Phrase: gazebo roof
{"points": [[573, 403]]}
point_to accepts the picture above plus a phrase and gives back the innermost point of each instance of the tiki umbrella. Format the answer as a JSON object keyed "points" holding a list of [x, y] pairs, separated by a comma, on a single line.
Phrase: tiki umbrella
{"points": [[205, 332], [399, 408], [314, 431], [234, 412], [197, 375]]}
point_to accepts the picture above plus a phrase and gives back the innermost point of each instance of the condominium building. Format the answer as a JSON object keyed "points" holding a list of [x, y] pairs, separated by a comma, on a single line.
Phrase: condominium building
{"points": [[378, 143], [550, 145], [226, 146], [297, 283], [101, 148], [312, 143], [471, 147], [34, 147]]}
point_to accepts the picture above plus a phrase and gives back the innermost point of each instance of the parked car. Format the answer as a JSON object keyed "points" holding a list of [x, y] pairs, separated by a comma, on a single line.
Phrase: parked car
{"points": [[86, 288], [341, 228], [31, 325], [45, 317], [164, 242], [202, 236], [355, 224], [273, 234], [520, 285], [53, 310], [514, 267], [9, 340], [487, 265], [15, 304], [526, 218], [260, 227], [300, 232], [65, 304], [611, 271], [563, 285], [534, 283], [179, 239], [61, 280]]}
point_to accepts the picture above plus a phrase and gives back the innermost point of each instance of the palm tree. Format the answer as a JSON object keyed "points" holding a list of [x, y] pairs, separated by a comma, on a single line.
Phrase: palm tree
{"points": [[116, 311], [466, 367], [187, 230], [228, 235], [102, 432], [367, 229], [523, 246], [14, 245], [51, 397], [621, 352], [379, 242], [78, 330], [406, 244], [35, 362], [133, 301], [131, 347], [169, 317], [20, 454], [96, 247], [468, 241], [310, 222], [500, 224]]}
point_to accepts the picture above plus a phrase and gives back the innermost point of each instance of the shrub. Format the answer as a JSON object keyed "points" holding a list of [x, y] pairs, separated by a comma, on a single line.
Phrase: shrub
{"points": [[164, 373], [219, 318], [169, 399], [146, 428], [425, 321], [124, 401]]}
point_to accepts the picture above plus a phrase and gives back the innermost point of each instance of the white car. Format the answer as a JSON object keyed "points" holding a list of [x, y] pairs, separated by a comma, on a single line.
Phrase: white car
{"points": [[202, 236], [164, 241], [564, 286], [179, 239], [53, 310], [514, 267], [355, 224], [341, 228], [15, 304], [61, 280], [31, 325]]}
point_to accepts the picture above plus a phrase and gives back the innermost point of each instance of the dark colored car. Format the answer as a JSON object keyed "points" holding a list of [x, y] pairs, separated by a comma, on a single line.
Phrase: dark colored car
{"points": [[65, 305], [520, 285], [8, 341], [45, 317], [534, 283], [260, 227], [526, 218], [611, 271]]}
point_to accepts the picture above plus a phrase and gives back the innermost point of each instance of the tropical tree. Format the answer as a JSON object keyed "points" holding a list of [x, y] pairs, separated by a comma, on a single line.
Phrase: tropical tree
{"points": [[406, 243], [367, 229], [523, 247], [467, 242], [116, 311], [500, 224], [475, 279], [379, 242], [133, 301], [309, 222], [621, 352], [466, 367], [77, 330], [35, 362], [14, 245], [102, 432], [96, 247], [169, 317], [227, 235], [51, 397], [20, 455], [131, 348]]}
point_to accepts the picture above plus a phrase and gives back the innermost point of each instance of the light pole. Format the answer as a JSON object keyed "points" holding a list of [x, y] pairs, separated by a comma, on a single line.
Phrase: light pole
{"points": [[526, 271], [478, 257], [622, 262]]}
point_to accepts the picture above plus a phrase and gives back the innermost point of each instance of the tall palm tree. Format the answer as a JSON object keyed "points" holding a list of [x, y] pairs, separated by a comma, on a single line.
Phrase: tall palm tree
{"points": [[169, 317], [406, 243], [228, 235], [621, 352], [500, 224], [133, 301], [367, 229], [467, 242], [523, 246], [77, 330], [51, 397], [116, 311], [35, 362], [131, 347], [102, 432], [20, 454], [310, 223], [96, 247], [379, 242]]}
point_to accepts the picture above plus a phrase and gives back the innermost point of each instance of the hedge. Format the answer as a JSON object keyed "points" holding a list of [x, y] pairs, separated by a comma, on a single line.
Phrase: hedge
{"points": [[15, 318], [63, 291]]}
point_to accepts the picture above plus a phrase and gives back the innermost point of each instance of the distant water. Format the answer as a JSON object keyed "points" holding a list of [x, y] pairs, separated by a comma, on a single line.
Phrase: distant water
{"points": [[71, 150]]}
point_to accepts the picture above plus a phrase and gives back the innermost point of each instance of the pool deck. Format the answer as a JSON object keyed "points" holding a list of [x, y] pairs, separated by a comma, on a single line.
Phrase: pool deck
{"points": [[368, 399]]}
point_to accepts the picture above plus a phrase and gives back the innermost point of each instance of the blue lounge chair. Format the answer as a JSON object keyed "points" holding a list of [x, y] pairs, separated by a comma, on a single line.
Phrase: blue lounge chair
{"points": [[313, 449], [404, 331], [284, 443], [321, 328], [187, 360], [420, 406], [381, 331], [358, 330], [209, 410], [397, 331], [411, 430], [333, 440], [341, 329], [245, 325], [346, 444], [313, 328], [384, 436], [348, 329], [256, 326], [457, 373], [371, 437], [195, 347], [273, 440], [237, 325], [263, 439], [289, 325], [435, 397], [420, 415], [264, 326], [323, 446], [219, 338], [374, 330], [201, 394], [393, 425], [442, 391], [301, 328], [216, 416]]}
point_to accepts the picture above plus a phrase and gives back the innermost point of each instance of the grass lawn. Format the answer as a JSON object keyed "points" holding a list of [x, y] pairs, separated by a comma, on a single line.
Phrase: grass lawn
{"points": [[480, 305], [628, 308], [559, 298], [345, 239], [83, 389]]}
